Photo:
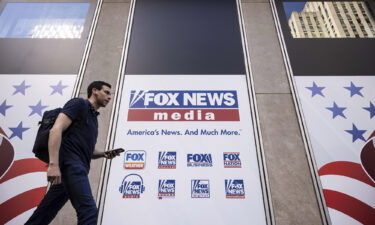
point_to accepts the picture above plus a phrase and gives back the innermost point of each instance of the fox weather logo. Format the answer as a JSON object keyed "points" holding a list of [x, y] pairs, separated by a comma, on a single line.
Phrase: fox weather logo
{"points": [[234, 189], [135, 159], [232, 160], [132, 186], [167, 160], [167, 189], [199, 160], [200, 188]]}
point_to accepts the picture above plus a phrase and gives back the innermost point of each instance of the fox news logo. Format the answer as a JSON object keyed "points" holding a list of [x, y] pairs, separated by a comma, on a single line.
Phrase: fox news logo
{"points": [[135, 159], [132, 186], [199, 160], [167, 188], [167, 160], [234, 189], [200, 188], [187, 105], [232, 160]]}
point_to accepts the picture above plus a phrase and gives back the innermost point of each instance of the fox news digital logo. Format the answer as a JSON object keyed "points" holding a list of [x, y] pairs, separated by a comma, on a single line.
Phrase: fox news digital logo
{"points": [[167, 189], [187, 105], [132, 186], [234, 189], [232, 160], [167, 160], [200, 188], [199, 160], [135, 159]]}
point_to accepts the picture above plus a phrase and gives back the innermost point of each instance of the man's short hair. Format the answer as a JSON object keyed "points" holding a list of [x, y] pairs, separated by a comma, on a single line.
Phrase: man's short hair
{"points": [[97, 85]]}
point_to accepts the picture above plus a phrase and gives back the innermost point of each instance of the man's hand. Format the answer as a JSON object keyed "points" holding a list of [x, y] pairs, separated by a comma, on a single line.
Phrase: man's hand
{"points": [[110, 154], [54, 174]]}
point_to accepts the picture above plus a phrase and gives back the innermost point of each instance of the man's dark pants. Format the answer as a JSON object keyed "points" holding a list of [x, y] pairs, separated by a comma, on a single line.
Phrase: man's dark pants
{"points": [[75, 186]]}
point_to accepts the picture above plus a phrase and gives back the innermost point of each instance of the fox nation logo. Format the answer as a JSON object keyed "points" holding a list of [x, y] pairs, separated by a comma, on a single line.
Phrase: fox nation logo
{"points": [[135, 159], [132, 186], [167, 160], [186, 105], [232, 160], [234, 189], [167, 189], [200, 188], [199, 160]]}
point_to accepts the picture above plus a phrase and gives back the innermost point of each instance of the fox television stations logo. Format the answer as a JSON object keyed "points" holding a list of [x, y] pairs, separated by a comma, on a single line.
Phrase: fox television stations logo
{"points": [[167, 189], [234, 189], [186, 105], [200, 188], [167, 160], [135, 159], [132, 186], [232, 160], [199, 160]]}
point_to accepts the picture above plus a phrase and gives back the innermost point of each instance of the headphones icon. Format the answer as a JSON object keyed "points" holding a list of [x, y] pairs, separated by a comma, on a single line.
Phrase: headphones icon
{"points": [[126, 183]]}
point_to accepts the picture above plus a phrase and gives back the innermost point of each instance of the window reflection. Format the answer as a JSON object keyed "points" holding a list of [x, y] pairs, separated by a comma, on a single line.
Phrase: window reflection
{"points": [[344, 19]]}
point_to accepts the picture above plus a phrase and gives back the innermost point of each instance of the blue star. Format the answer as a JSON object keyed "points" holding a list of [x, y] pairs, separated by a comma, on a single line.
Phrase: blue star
{"points": [[337, 111], [371, 109], [20, 88], [315, 90], [354, 90], [357, 134], [37, 108], [17, 131], [4, 107], [58, 88]]}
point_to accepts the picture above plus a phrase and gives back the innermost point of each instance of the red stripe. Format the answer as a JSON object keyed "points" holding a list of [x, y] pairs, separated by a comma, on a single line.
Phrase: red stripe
{"points": [[350, 206], [24, 166], [348, 169], [20, 204]]}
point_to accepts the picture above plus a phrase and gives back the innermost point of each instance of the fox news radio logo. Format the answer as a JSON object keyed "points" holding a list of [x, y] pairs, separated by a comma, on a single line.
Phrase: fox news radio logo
{"points": [[232, 160], [132, 186], [200, 188], [234, 189], [167, 160], [183, 106], [199, 160], [135, 159], [167, 189]]}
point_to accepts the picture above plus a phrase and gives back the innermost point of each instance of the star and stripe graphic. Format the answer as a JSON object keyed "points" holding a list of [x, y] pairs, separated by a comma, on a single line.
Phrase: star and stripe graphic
{"points": [[339, 114], [23, 100]]}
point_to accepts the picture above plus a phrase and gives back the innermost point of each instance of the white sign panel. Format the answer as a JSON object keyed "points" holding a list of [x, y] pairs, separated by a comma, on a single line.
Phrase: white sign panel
{"points": [[340, 117], [190, 154]]}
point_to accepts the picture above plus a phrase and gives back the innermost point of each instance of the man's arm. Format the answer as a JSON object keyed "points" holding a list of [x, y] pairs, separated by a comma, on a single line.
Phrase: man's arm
{"points": [[54, 142]]}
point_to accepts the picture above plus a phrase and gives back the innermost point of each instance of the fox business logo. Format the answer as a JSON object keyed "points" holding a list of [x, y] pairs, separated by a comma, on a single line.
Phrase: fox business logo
{"points": [[167, 160], [234, 189], [199, 160], [132, 186], [167, 189], [157, 105], [200, 188], [232, 160], [135, 159]]}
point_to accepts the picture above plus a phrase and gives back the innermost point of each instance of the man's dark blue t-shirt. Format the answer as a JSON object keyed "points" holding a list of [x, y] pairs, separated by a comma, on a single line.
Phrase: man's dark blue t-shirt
{"points": [[79, 139]]}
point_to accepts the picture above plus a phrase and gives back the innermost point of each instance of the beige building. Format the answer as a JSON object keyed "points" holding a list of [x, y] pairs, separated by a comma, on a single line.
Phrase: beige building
{"points": [[333, 20]]}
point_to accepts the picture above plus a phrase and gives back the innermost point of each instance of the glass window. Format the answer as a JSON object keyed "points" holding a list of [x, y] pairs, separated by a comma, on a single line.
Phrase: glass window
{"points": [[43, 19]]}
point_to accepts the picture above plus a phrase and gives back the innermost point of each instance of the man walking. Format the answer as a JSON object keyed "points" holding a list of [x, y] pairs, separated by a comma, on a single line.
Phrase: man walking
{"points": [[71, 147]]}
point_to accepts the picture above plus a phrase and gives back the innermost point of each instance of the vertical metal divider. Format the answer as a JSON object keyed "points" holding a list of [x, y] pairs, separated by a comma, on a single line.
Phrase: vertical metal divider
{"points": [[256, 123], [104, 175], [301, 120]]}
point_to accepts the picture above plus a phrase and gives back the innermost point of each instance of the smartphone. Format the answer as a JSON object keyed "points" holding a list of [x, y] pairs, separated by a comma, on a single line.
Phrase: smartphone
{"points": [[118, 150]]}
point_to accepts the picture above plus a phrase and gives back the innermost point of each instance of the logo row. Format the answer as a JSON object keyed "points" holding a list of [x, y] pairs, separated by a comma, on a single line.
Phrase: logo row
{"points": [[136, 159], [133, 186]]}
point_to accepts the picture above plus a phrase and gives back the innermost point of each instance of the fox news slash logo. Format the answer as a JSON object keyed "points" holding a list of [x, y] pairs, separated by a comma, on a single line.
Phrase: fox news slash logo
{"points": [[167, 188], [183, 105], [167, 160], [232, 160], [135, 159], [200, 188], [234, 189], [199, 160], [132, 186]]}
